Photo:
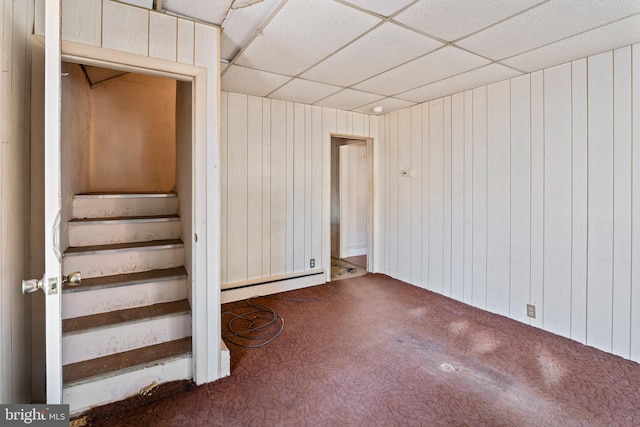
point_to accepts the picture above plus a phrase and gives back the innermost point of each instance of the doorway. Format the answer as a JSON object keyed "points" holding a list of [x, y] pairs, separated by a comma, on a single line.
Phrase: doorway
{"points": [[351, 207]]}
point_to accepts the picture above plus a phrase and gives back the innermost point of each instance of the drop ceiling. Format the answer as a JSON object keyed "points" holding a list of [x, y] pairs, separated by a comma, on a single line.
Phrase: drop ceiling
{"points": [[357, 54]]}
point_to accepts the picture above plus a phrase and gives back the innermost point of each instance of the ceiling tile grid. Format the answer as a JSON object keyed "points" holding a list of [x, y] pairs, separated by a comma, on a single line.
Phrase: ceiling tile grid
{"points": [[356, 54]]}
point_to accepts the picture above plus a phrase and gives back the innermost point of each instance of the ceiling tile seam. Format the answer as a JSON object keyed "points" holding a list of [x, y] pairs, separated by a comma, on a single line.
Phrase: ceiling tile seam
{"points": [[258, 32], [399, 94], [500, 21], [361, 9], [340, 89], [381, 97], [351, 86], [569, 37], [491, 60], [341, 48]]}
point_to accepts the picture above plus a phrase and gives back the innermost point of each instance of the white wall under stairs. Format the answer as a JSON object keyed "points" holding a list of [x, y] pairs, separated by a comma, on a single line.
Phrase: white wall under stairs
{"points": [[132, 302]]}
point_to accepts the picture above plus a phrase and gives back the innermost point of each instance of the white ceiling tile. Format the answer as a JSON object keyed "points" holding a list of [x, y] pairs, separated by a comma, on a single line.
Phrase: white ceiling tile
{"points": [[381, 7], [362, 59], [250, 82], [479, 77], [618, 34], [388, 105], [304, 91], [148, 4], [348, 99], [435, 66], [241, 24], [452, 19], [304, 32], [203, 10], [545, 24]]}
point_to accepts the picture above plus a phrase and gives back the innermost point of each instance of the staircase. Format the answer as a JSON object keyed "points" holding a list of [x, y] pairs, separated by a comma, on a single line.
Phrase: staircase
{"points": [[128, 323]]}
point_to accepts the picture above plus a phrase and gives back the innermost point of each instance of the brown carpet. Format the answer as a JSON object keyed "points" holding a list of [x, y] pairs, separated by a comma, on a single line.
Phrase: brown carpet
{"points": [[384, 353]]}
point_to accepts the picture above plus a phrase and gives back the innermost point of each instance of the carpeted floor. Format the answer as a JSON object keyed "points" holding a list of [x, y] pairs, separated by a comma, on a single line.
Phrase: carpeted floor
{"points": [[384, 353]]}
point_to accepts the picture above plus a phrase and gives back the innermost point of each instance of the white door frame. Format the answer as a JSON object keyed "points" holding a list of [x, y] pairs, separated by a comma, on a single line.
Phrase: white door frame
{"points": [[371, 178], [206, 351]]}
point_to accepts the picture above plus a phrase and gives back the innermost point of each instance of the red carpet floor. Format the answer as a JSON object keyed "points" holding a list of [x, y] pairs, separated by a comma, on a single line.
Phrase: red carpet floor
{"points": [[384, 353]]}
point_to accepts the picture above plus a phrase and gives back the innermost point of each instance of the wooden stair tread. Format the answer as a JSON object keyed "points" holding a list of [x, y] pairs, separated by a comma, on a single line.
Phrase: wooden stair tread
{"points": [[126, 218], [116, 246], [125, 194], [127, 279], [127, 315], [128, 359]]}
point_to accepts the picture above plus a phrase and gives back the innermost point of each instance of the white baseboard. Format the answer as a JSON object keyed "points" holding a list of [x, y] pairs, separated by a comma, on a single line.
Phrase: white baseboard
{"points": [[272, 287], [356, 251]]}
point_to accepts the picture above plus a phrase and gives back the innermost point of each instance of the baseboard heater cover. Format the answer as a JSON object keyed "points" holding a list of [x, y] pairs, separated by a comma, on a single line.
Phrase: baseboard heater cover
{"points": [[272, 285]]}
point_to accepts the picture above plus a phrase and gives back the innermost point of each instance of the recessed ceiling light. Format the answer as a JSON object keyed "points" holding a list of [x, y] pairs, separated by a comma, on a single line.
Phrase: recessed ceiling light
{"points": [[378, 109]]}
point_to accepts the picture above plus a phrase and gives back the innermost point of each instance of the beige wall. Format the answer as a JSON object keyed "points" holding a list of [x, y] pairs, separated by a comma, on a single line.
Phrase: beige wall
{"points": [[133, 134], [16, 22], [525, 191]]}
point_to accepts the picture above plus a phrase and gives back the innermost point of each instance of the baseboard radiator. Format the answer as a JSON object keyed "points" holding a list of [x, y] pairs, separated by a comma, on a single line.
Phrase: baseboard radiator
{"points": [[271, 285]]}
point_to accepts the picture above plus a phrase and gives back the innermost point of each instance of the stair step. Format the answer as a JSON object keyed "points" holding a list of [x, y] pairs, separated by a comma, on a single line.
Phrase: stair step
{"points": [[124, 291], [111, 230], [130, 279], [110, 387], [123, 258], [100, 205], [123, 316], [73, 373], [99, 335]]}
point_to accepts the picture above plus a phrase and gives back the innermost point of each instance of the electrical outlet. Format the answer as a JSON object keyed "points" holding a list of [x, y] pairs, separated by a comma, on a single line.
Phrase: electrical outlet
{"points": [[531, 311], [312, 263]]}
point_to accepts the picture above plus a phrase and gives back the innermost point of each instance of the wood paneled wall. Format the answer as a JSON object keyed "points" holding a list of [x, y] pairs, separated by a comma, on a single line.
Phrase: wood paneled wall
{"points": [[16, 22], [526, 191], [275, 164]]}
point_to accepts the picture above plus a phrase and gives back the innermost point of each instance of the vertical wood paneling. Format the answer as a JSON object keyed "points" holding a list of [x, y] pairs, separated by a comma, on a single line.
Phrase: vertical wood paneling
{"points": [[266, 187], [289, 188], [635, 226], [536, 296], [416, 195], [308, 187], [520, 197], [81, 21], [278, 186], [468, 197], [622, 203], [557, 199], [185, 41], [224, 184], [394, 176], [163, 36], [426, 193], [237, 196], [317, 188], [254, 188], [446, 234], [299, 135], [498, 196], [480, 197], [436, 195], [404, 195], [16, 24], [600, 251], [341, 122], [125, 28], [579, 202], [457, 196]]}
